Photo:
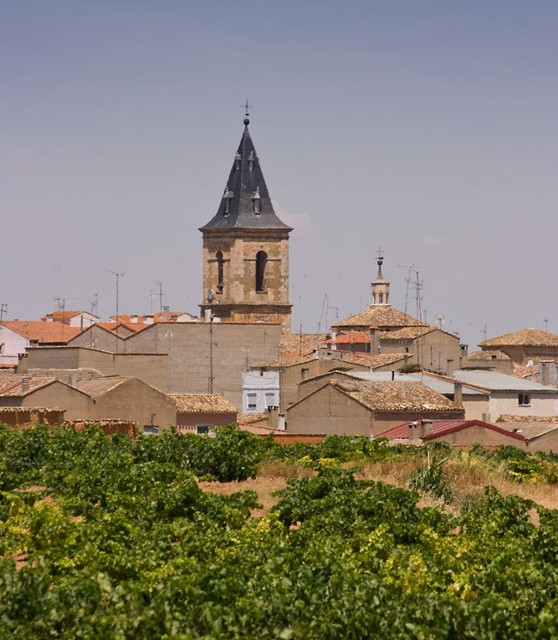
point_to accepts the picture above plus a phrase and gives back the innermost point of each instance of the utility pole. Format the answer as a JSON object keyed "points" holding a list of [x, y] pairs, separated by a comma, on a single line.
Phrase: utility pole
{"points": [[160, 285], [3, 310]]}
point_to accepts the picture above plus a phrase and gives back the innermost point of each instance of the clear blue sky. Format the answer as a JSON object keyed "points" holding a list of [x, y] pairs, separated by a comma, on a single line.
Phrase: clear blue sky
{"points": [[426, 127]]}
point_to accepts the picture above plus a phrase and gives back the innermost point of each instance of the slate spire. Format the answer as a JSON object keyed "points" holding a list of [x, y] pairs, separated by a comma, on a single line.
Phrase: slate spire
{"points": [[245, 203]]}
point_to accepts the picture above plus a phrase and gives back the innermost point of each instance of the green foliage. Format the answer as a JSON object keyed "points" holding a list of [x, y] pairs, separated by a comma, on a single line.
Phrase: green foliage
{"points": [[116, 540], [430, 478]]}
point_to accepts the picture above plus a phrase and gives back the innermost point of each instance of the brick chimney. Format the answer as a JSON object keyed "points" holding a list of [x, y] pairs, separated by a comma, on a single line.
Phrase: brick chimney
{"points": [[374, 341]]}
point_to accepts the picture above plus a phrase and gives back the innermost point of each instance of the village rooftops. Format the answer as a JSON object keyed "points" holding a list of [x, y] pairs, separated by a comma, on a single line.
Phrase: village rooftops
{"points": [[202, 403], [41, 332], [523, 338], [381, 317], [395, 396], [439, 428], [13, 386], [493, 381]]}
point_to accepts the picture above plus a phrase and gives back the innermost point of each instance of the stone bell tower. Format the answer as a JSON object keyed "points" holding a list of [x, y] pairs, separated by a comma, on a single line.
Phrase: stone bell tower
{"points": [[246, 249]]}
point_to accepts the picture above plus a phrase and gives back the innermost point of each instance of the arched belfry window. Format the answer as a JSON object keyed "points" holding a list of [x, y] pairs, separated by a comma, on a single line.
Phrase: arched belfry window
{"points": [[251, 159], [237, 160], [261, 260], [219, 256]]}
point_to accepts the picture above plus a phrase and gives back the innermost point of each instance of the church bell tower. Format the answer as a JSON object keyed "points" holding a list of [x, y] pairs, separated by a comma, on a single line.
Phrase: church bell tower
{"points": [[246, 249]]}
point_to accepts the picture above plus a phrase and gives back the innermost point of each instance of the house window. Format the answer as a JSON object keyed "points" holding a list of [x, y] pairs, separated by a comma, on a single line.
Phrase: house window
{"points": [[523, 399], [202, 429], [219, 256], [261, 260], [251, 402], [304, 373], [270, 400]]}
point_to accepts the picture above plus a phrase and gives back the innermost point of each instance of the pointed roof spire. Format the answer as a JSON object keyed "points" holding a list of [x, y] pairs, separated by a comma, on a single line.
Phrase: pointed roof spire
{"points": [[245, 203], [380, 286]]}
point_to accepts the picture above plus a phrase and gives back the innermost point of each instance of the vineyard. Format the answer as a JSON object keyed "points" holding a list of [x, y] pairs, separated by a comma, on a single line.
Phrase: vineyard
{"points": [[113, 538]]}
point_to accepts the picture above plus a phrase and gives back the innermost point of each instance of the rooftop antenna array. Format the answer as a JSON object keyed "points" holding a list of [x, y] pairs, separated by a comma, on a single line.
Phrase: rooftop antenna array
{"points": [[160, 285], [324, 312], [117, 276], [94, 304], [60, 304]]}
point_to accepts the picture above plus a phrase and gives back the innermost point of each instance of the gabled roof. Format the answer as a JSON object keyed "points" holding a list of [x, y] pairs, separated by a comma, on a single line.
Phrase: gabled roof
{"points": [[406, 333], [245, 183], [350, 337], [302, 343], [43, 333], [60, 316], [489, 354], [98, 386], [202, 403], [439, 384], [493, 381], [445, 427], [395, 396], [381, 317], [19, 385], [523, 338]]}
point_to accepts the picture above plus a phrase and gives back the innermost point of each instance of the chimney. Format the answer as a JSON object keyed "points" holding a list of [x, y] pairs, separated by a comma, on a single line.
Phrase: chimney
{"points": [[425, 428], [545, 372], [414, 431], [334, 339], [24, 385], [374, 341], [458, 394], [166, 314]]}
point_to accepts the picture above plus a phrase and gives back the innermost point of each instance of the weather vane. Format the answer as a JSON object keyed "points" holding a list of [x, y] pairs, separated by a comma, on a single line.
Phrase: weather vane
{"points": [[246, 108]]}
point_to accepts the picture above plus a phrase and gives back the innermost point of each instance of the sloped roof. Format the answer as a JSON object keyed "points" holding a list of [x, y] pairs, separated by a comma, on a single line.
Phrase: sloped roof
{"points": [[523, 338], [245, 181], [302, 343], [395, 396], [43, 333], [445, 427], [489, 354], [202, 403], [350, 337], [406, 333], [381, 317], [494, 381], [98, 386], [59, 316], [374, 361], [14, 385], [439, 384]]}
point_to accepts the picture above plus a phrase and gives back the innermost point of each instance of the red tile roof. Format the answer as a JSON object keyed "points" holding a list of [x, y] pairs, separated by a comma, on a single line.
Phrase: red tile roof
{"points": [[43, 333], [445, 427]]}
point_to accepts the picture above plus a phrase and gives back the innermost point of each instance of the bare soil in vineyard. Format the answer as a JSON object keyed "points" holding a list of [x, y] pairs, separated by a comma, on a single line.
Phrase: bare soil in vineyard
{"points": [[467, 480]]}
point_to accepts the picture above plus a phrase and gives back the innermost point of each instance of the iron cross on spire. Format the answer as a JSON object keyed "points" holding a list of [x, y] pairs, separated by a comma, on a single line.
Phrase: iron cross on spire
{"points": [[246, 108], [380, 253]]}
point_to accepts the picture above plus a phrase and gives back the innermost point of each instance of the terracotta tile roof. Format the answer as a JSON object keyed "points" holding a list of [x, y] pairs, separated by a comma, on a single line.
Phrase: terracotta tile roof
{"points": [[380, 317], [98, 386], [489, 354], [20, 385], [374, 361], [43, 333], [395, 396], [406, 333], [350, 337], [445, 427], [523, 338], [63, 315], [289, 360], [302, 343], [202, 403]]}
